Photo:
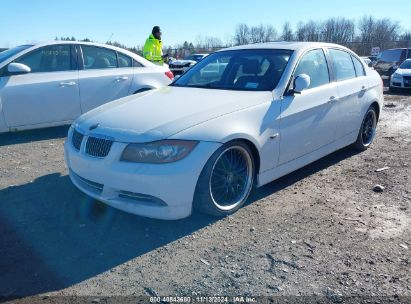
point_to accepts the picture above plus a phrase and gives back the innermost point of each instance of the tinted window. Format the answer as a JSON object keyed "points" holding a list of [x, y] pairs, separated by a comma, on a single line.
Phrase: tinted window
{"points": [[406, 64], [391, 55], [249, 70], [314, 64], [98, 58], [342, 65], [137, 64], [359, 68], [124, 61], [409, 53], [11, 52], [52, 58]]}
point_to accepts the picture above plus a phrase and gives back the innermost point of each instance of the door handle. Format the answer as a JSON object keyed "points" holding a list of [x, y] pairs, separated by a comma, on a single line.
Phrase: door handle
{"points": [[121, 78], [332, 99], [68, 84], [363, 89]]}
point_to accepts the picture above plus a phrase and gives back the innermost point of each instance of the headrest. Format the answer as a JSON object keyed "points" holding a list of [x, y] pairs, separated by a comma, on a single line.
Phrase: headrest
{"points": [[251, 66]]}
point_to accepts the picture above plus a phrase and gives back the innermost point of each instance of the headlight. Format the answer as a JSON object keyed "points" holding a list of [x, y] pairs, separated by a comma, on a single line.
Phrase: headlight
{"points": [[396, 75], [158, 152]]}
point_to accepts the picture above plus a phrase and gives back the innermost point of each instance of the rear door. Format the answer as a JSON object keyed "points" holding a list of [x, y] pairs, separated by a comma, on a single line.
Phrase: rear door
{"points": [[352, 88], [49, 94], [105, 75], [308, 120]]}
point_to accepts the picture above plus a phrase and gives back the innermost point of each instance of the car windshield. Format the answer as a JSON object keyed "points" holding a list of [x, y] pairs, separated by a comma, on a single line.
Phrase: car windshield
{"points": [[11, 52], [194, 57], [406, 64], [391, 55], [246, 70]]}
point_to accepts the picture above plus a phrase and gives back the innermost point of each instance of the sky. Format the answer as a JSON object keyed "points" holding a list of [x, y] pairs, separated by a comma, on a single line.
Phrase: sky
{"points": [[130, 21]]}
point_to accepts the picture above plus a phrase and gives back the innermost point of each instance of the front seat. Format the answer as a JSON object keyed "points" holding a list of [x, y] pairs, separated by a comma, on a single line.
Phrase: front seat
{"points": [[101, 63], [252, 67]]}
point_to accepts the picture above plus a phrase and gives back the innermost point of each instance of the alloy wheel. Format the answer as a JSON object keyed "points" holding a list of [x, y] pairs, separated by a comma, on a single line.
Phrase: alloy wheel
{"points": [[231, 178]]}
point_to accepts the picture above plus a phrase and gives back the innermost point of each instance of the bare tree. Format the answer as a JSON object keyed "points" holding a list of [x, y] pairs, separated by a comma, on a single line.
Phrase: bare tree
{"points": [[380, 30], [406, 36], [208, 43], [287, 33], [366, 27], [270, 33], [338, 30], [262, 33], [386, 30], [242, 34], [310, 31]]}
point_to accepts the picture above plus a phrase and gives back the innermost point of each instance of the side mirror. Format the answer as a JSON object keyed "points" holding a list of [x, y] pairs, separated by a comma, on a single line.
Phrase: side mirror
{"points": [[301, 83], [18, 68]]}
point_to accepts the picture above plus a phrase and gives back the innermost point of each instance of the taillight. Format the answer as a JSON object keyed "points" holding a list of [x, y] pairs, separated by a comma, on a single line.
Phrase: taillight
{"points": [[170, 75]]}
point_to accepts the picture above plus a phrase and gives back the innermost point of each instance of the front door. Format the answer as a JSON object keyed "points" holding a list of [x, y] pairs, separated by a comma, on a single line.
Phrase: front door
{"points": [[308, 120], [49, 94]]}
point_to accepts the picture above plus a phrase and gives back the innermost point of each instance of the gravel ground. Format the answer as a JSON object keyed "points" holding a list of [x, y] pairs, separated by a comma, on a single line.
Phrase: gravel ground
{"points": [[321, 231]]}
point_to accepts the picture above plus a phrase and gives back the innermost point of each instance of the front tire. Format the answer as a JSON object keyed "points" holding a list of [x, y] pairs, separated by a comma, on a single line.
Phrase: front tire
{"points": [[226, 180], [367, 130]]}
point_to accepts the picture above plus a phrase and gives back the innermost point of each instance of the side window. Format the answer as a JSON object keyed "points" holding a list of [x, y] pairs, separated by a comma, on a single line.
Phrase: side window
{"points": [[342, 65], [137, 64], [124, 61], [409, 53], [359, 68], [314, 64], [98, 58], [53, 58]]}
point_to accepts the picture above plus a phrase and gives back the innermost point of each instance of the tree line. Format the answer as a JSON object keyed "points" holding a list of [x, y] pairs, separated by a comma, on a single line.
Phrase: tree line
{"points": [[359, 35]]}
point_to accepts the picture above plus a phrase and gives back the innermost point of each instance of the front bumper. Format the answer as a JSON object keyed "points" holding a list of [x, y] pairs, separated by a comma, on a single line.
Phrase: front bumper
{"points": [[400, 83], [163, 191]]}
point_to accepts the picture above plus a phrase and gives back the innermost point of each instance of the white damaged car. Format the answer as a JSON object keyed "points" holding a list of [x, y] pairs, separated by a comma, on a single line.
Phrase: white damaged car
{"points": [[51, 84], [261, 112], [178, 67]]}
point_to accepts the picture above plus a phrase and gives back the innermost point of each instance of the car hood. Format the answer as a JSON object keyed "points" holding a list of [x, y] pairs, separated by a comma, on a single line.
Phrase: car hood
{"points": [[404, 72], [183, 62], [161, 113]]}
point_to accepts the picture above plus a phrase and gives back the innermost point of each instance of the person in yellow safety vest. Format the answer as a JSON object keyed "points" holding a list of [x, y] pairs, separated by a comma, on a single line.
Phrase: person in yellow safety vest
{"points": [[153, 48]]}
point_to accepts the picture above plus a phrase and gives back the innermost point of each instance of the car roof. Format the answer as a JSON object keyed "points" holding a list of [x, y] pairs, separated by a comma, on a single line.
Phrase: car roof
{"points": [[284, 45]]}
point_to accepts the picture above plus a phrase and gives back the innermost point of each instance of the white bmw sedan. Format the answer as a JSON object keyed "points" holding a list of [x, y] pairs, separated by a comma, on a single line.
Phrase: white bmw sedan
{"points": [[50, 84], [239, 119]]}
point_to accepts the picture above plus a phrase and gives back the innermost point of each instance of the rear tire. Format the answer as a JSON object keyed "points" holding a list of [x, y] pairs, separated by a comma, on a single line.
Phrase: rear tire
{"points": [[367, 130], [226, 180]]}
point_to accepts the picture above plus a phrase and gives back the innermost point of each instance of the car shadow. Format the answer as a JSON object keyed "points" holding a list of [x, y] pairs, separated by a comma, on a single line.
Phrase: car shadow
{"points": [[52, 236], [20, 137], [302, 173]]}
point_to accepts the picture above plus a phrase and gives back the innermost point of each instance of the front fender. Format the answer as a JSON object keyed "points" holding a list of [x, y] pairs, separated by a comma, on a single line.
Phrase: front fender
{"points": [[259, 125]]}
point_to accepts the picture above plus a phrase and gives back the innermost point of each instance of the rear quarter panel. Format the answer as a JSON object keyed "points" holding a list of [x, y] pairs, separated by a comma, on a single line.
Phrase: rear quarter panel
{"points": [[149, 77], [375, 90]]}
